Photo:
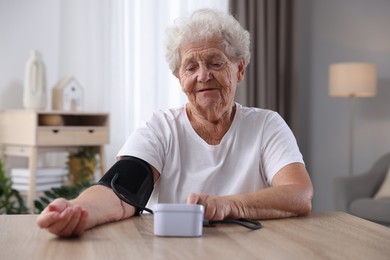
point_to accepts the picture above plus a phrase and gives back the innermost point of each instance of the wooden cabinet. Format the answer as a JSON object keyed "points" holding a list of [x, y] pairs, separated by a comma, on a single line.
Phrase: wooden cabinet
{"points": [[26, 133]]}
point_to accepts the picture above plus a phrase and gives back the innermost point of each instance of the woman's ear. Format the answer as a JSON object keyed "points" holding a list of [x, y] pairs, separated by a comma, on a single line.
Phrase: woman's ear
{"points": [[241, 70], [176, 73]]}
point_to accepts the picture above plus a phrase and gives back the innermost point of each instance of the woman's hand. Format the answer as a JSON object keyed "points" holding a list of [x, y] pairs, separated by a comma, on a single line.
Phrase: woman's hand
{"points": [[63, 219], [215, 207]]}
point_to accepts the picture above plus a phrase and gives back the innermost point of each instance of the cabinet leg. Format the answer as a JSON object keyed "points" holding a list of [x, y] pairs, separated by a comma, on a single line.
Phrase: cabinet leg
{"points": [[32, 166], [102, 158]]}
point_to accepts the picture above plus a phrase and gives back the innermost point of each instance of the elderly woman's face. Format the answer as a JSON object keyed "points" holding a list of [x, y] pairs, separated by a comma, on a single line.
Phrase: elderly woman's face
{"points": [[207, 76]]}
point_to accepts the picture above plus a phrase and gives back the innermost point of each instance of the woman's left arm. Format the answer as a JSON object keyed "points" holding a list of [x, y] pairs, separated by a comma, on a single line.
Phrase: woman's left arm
{"points": [[290, 195]]}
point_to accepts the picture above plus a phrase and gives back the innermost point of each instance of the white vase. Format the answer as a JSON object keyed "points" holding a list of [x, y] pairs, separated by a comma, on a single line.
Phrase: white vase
{"points": [[34, 92]]}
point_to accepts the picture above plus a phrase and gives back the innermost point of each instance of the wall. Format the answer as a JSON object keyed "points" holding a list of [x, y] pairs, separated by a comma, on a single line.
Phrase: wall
{"points": [[26, 25], [337, 31], [69, 42]]}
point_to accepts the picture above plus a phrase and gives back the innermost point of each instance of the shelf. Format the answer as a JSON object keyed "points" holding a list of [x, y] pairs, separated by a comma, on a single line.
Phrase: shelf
{"points": [[26, 133], [53, 128]]}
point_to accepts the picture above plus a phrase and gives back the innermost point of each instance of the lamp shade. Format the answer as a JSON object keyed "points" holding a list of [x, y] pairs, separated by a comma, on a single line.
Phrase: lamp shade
{"points": [[352, 79]]}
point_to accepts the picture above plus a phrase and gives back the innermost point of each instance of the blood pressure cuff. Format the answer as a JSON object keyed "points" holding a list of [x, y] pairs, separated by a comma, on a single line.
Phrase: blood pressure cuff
{"points": [[131, 179]]}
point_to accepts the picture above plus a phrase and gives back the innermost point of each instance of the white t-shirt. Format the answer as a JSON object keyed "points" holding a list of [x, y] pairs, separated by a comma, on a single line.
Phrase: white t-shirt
{"points": [[258, 144]]}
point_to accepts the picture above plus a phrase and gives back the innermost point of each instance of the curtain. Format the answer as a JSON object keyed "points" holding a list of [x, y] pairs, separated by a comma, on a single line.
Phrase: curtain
{"points": [[268, 82], [115, 49], [141, 81]]}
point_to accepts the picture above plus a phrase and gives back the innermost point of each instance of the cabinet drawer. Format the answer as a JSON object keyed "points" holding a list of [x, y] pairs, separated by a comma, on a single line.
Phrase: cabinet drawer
{"points": [[70, 136], [15, 150]]}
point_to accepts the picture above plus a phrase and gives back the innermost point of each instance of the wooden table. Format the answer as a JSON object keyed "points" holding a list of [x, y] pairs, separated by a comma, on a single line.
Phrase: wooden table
{"points": [[319, 236]]}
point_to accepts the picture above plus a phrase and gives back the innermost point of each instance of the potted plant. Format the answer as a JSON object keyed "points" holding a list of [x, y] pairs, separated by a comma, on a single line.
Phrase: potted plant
{"points": [[65, 191], [11, 202], [82, 165]]}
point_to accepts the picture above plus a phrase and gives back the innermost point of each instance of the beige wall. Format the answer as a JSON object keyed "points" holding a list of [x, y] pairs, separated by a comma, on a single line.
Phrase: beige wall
{"points": [[26, 25], [336, 31]]}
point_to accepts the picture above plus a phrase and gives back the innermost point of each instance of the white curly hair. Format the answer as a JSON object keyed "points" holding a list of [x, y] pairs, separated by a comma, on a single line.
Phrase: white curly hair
{"points": [[203, 24]]}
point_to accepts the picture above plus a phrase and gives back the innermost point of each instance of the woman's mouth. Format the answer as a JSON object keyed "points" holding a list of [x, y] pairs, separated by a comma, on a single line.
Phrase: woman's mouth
{"points": [[206, 89]]}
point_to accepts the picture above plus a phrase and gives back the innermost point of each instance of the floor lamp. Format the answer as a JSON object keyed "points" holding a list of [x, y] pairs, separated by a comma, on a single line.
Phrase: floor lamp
{"points": [[352, 80]]}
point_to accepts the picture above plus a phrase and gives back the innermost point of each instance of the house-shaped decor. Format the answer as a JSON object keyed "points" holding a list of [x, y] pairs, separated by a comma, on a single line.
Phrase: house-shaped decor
{"points": [[68, 95]]}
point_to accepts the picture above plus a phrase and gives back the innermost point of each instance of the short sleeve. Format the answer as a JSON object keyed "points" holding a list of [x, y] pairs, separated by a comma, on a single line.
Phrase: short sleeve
{"points": [[279, 146], [148, 142]]}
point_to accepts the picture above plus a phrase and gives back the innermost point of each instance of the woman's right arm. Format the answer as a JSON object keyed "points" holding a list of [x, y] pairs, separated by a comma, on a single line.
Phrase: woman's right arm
{"points": [[96, 205]]}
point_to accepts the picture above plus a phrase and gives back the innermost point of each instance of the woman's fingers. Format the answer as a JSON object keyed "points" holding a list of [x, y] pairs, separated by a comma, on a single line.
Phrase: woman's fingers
{"points": [[58, 205], [52, 213], [215, 208], [46, 219], [194, 198], [72, 222], [80, 227], [63, 219], [62, 222]]}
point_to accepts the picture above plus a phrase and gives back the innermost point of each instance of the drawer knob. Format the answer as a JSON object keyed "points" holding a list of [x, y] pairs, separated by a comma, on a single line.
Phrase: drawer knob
{"points": [[91, 131], [55, 131]]}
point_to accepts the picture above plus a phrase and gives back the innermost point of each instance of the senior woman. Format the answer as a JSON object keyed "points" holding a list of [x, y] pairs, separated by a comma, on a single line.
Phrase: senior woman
{"points": [[238, 162]]}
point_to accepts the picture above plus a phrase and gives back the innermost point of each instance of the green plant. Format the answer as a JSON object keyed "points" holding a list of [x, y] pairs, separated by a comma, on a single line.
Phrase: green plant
{"points": [[87, 152], [81, 165], [66, 192], [11, 202]]}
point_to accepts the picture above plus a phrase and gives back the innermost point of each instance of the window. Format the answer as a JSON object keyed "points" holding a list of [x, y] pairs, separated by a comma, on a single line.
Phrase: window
{"points": [[125, 72]]}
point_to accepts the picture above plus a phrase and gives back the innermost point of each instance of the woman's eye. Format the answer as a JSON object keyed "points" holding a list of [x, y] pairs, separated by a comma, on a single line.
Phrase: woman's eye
{"points": [[217, 65], [190, 68]]}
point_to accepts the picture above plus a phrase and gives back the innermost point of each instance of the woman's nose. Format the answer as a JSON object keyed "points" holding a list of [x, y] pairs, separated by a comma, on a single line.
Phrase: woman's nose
{"points": [[204, 74]]}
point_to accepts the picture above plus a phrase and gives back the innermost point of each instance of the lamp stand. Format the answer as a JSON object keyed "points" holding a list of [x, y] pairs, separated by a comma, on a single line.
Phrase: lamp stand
{"points": [[351, 132]]}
